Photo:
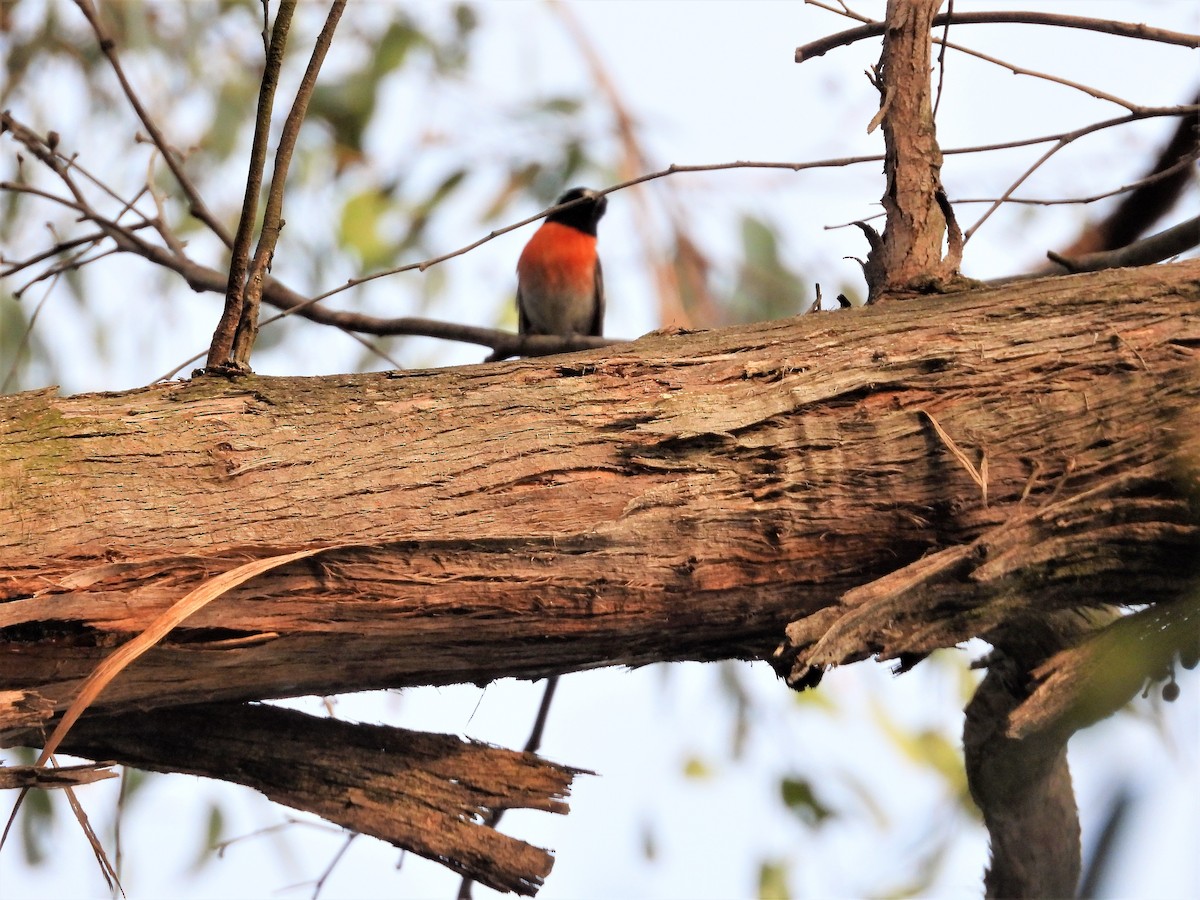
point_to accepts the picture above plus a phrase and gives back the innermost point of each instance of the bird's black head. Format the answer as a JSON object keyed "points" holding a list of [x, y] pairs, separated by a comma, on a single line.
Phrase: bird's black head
{"points": [[583, 215]]}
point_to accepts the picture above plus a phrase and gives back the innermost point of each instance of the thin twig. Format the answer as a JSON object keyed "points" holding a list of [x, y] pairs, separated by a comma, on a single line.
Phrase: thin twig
{"points": [[1063, 141], [76, 262], [1015, 69], [220, 351], [272, 223], [978, 475], [532, 744], [106, 867], [941, 60], [1160, 175], [1106, 26], [24, 342], [337, 858], [17, 265], [203, 278], [196, 203]]}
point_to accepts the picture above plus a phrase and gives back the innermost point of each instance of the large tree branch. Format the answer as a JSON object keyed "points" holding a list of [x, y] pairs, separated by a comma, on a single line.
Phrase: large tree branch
{"points": [[682, 499]]}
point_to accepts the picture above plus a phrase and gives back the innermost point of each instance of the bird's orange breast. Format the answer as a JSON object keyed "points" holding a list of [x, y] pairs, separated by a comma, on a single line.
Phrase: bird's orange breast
{"points": [[558, 259]]}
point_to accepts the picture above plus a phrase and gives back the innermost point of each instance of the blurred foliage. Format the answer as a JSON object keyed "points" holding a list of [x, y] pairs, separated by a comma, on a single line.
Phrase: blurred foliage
{"points": [[773, 881], [372, 185], [214, 832], [799, 796], [820, 787], [766, 288]]}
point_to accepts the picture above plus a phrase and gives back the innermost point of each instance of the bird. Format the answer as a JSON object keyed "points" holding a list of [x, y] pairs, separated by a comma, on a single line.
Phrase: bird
{"points": [[560, 285]]}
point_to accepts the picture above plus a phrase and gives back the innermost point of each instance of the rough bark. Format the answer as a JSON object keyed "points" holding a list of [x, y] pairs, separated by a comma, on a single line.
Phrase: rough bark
{"points": [[428, 793], [681, 499], [909, 256], [888, 480]]}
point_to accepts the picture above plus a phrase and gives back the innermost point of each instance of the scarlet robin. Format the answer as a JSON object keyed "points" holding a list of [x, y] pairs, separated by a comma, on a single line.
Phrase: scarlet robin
{"points": [[560, 288]]}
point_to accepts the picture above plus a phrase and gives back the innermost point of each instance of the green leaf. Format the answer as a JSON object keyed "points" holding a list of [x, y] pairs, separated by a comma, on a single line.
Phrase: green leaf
{"points": [[697, 768], [359, 228], [213, 829], [798, 796], [422, 212], [772, 880], [393, 48], [37, 824], [929, 749], [766, 288]]}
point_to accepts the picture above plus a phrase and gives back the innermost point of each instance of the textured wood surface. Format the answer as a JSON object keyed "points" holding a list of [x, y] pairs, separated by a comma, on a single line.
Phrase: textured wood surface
{"points": [[681, 497]]}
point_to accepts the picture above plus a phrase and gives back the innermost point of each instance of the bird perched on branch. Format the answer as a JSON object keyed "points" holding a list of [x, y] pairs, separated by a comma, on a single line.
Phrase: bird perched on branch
{"points": [[560, 289]]}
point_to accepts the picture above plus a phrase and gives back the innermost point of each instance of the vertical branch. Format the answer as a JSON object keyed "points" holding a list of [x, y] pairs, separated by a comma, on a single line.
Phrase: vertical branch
{"points": [[220, 352], [909, 257], [273, 223], [1023, 789]]}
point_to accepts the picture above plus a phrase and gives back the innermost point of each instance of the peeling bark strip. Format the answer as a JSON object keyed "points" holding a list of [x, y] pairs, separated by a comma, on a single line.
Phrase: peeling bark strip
{"points": [[681, 498], [427, 793]]}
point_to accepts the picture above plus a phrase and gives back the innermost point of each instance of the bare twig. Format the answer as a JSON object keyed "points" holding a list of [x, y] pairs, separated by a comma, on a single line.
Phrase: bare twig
{"points": [[15, 265], [1063, 141], [1015, 69], [1167, 178], [978, 475], [319, 884], [1045, 76], [220, 352], [247, 329], [12, 777], [106, 867], [941, 60], [1106, 26], [532, 744], [1181, 165], [203, 278], [196, 203]]}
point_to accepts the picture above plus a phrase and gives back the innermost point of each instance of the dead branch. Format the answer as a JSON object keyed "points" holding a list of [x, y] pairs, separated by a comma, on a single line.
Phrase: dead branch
{"points": [[684, 498], [428, 793], [16, 777], [1089, 682]]}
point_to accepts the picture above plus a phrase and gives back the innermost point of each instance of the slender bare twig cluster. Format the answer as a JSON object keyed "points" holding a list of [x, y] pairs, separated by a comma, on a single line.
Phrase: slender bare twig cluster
{"points": [[129, 229]]}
